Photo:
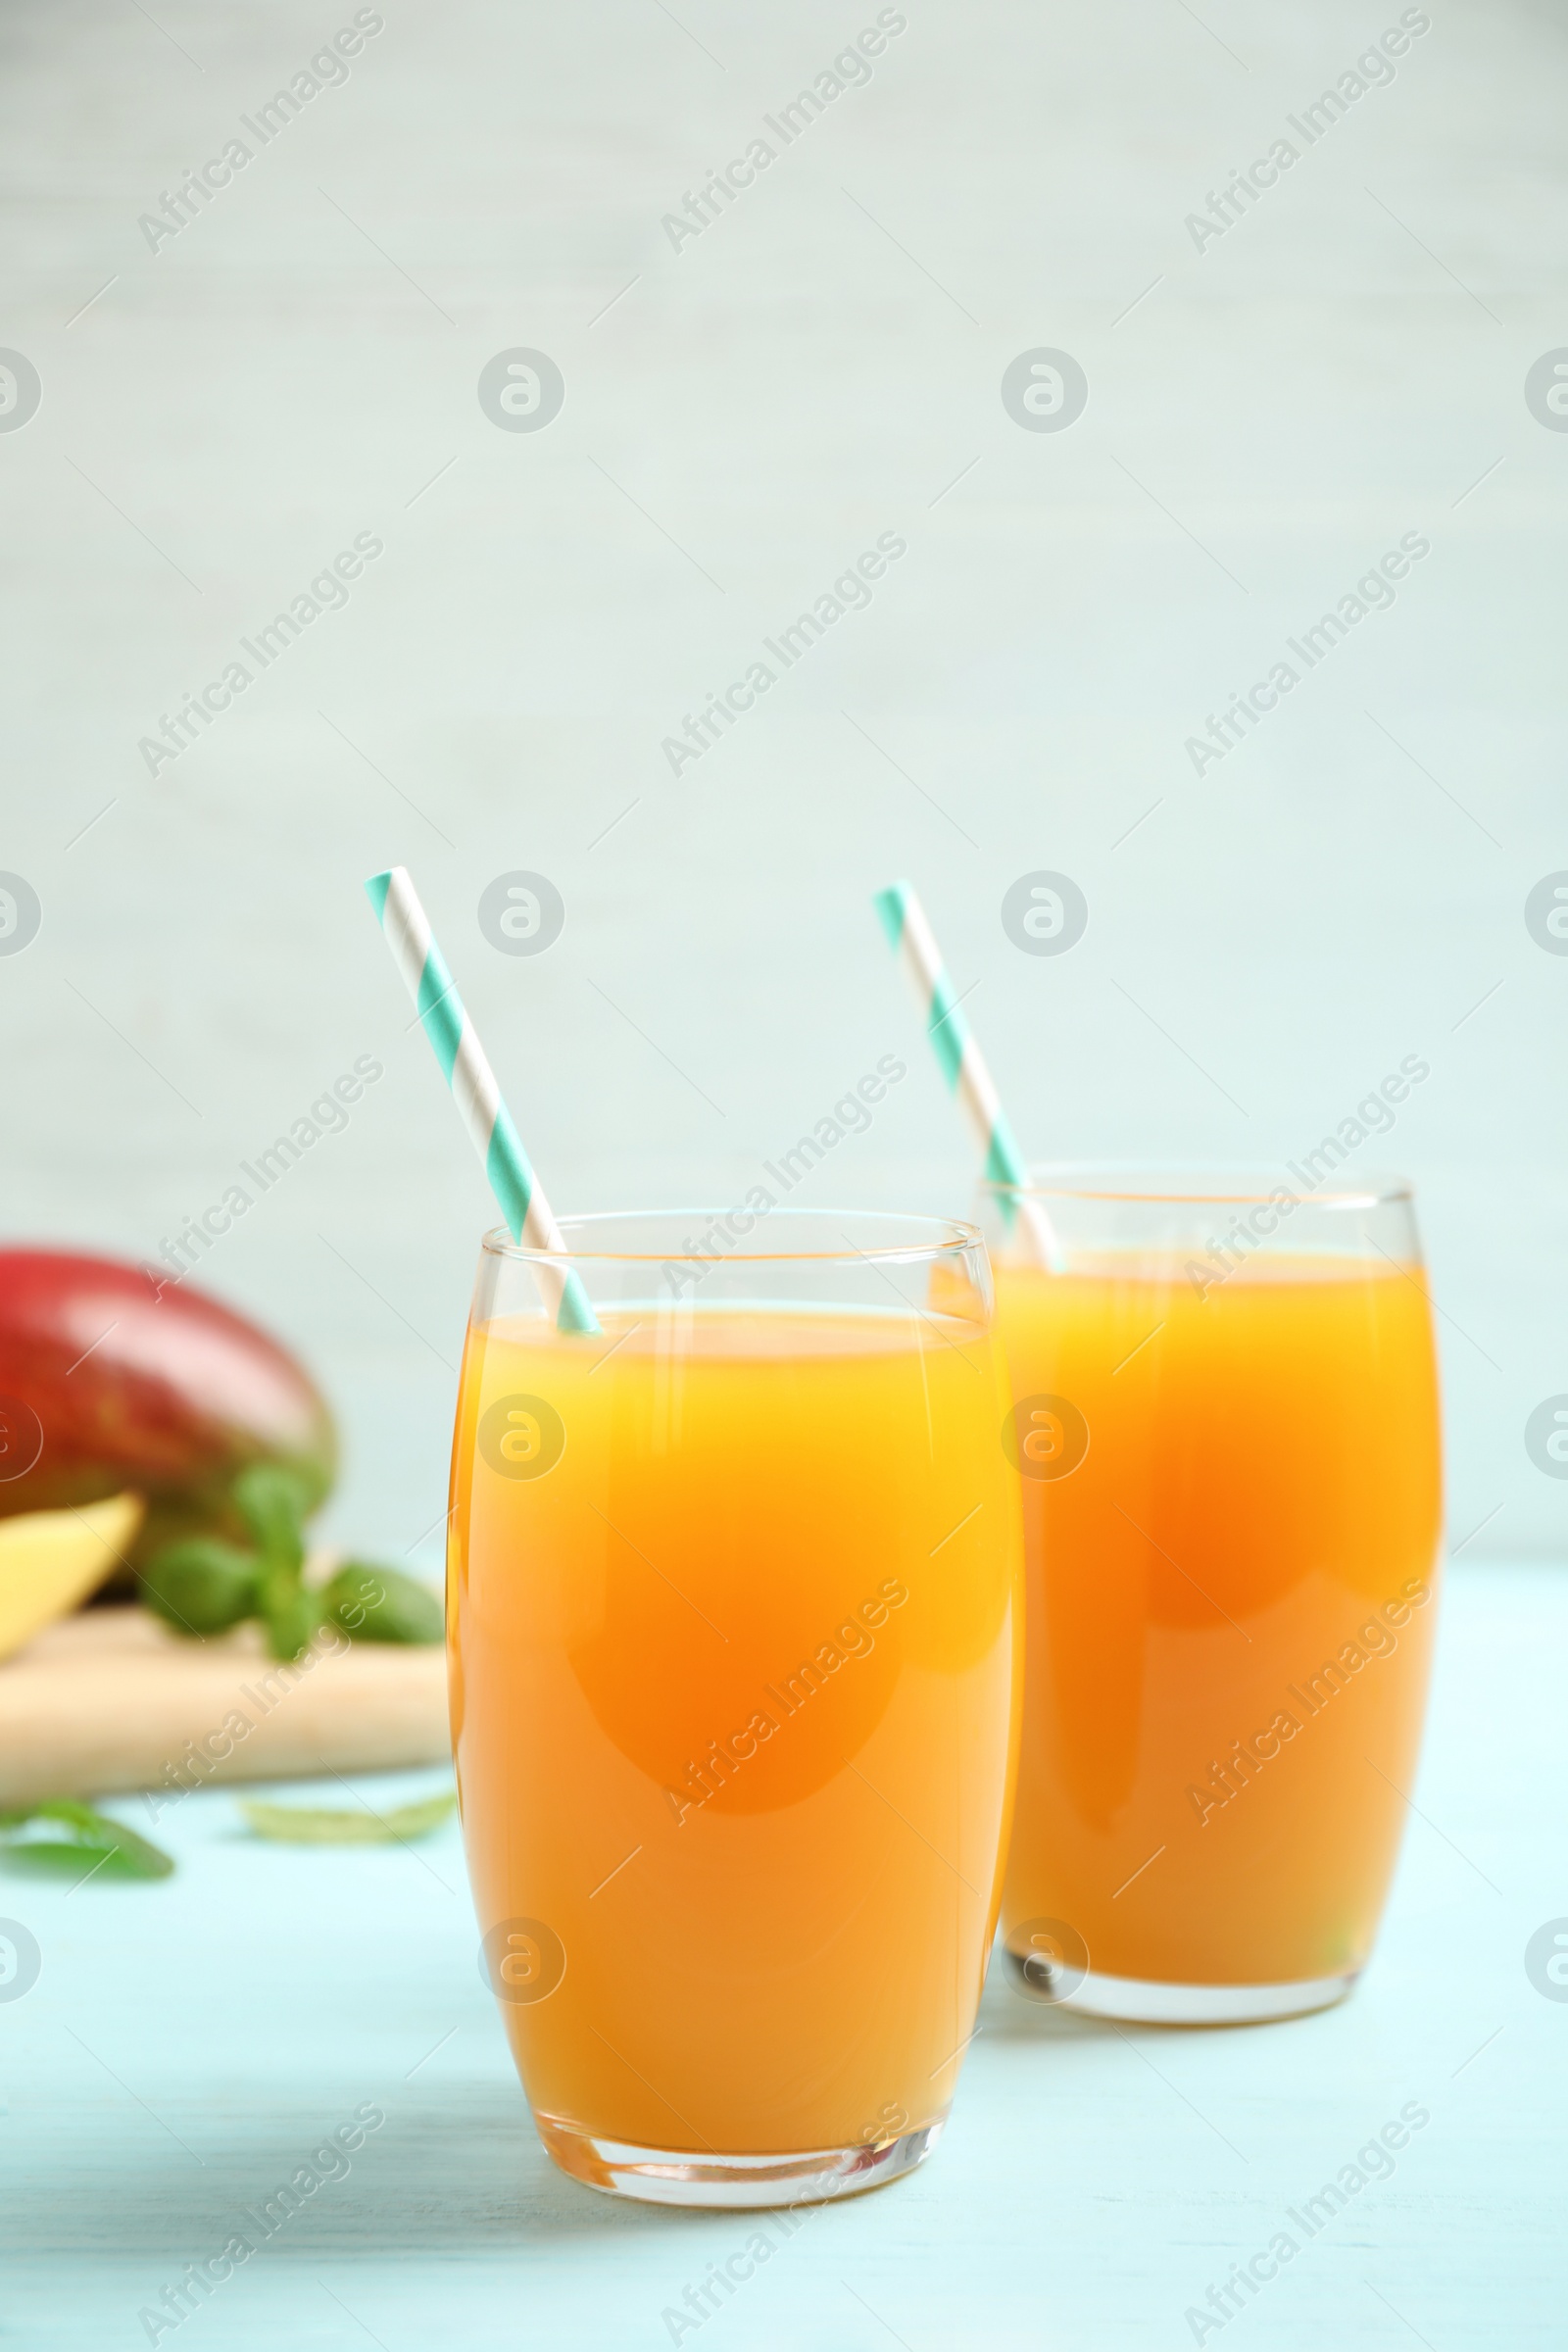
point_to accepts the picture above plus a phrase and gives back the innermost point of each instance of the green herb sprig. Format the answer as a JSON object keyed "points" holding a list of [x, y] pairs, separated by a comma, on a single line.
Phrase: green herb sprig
{"points": [[204, 1586]]}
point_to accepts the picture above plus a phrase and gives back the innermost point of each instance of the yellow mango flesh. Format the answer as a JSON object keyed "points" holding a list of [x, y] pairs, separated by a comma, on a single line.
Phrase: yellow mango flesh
{"points": [[51, 1560]]}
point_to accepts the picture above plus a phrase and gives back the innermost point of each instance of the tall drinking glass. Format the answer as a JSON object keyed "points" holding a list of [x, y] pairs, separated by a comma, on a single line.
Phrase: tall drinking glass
{"points": [[735, 1614], [1226, 1420]]}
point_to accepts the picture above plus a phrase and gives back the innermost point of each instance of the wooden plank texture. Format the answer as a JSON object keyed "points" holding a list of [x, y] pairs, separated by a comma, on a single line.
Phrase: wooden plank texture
{"points": [[113, 1699]]}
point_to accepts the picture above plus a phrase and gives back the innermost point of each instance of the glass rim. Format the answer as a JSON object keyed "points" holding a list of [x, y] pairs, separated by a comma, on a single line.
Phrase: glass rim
{"points": [[943, 1237], [1197, 1185]]}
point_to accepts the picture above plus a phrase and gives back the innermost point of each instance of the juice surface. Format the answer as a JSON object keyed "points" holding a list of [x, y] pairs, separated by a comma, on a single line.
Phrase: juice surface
{"points": [[735, 1688], [1230, 1610]]}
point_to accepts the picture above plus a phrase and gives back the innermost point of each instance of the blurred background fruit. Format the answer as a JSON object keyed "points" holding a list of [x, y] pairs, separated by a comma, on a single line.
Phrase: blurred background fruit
{"points": [[50, 1561], [113, 1378]]}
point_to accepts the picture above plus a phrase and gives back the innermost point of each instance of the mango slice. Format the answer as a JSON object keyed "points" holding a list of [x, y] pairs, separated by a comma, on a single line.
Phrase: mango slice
{"points": [[51, 1560]]}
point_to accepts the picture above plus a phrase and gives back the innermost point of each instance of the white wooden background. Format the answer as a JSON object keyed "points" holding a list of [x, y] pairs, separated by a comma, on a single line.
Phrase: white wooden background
{"points": [[743, 416]]}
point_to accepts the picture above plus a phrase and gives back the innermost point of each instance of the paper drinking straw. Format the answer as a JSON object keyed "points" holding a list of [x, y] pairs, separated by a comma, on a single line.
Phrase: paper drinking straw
{"points": [[962, 1063], [475, 1091]]}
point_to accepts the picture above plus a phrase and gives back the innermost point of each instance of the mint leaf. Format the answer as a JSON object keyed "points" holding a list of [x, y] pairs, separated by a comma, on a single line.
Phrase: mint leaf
{"points": [[381, 1605], [200, 1587], [273, 1502], [95, 1842], [309, 1824]]}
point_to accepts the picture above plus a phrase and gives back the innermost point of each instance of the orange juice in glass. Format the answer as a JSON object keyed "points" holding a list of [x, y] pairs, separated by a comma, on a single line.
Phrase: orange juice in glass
{"points": [[1225, 1419], [735, 1600]]}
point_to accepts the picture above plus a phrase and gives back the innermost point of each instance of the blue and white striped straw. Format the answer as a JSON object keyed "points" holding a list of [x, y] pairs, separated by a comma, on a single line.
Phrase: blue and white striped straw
{"points": [[475, 1091], [964, 1065]]}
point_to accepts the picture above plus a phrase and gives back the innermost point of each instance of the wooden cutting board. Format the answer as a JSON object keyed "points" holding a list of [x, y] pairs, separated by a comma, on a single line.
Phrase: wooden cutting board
{"points": [[113, 1699]]}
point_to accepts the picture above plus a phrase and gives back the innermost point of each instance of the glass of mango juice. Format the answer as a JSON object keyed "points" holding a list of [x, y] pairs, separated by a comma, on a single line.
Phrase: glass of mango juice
{"points": [[736, 1668], [1225, 1420]]}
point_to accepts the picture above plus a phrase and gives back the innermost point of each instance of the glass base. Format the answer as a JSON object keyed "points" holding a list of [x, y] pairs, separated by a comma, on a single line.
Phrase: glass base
{"points": [[1149, 2004], [677, 2177]]}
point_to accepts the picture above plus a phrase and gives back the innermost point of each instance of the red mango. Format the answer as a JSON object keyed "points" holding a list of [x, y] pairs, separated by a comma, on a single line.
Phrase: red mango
{"points": [[112, 1377]]}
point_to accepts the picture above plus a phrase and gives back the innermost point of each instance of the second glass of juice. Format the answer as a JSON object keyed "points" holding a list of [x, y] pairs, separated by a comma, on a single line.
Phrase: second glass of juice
{"points": [[735, 1630], [1225, 1420]]}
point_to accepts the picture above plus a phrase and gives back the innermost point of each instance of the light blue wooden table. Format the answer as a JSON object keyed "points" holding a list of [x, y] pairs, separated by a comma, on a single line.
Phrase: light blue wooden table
{"points": [[188, 2046]]}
